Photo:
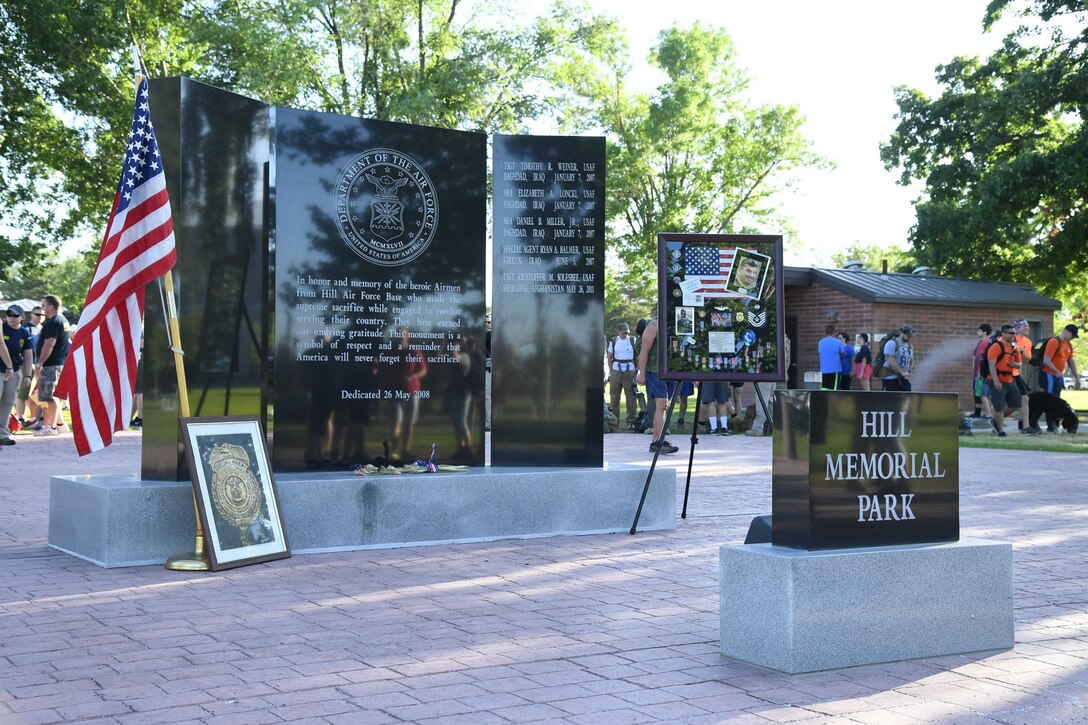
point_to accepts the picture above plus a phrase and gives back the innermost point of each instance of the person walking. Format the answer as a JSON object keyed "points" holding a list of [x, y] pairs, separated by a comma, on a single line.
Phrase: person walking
{"points": [[1004, 357], [1057, 354]]}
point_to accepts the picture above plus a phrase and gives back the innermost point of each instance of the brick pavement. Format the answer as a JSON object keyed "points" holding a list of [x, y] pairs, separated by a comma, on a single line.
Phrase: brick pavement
{"points": [[592, 629]]}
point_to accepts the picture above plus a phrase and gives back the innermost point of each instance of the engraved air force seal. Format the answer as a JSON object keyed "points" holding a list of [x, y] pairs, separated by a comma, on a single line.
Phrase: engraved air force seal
{"points": [[235, 490], [386, 207]]}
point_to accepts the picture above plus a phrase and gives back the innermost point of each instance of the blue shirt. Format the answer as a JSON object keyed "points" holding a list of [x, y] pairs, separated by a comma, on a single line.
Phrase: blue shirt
{"points": [[848, 359], [830, 361]]}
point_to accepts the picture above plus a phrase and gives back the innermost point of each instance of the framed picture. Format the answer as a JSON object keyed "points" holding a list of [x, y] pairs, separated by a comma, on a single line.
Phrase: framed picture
{"points": [[722, 297], [235, 494]]}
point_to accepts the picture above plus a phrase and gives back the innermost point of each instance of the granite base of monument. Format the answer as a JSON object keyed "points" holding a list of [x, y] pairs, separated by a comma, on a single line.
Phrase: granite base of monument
{"points": [[117, 521], [802, 611]]}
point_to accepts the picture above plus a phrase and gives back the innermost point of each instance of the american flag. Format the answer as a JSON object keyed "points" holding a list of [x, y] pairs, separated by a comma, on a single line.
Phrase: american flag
{"points": [[709, 265], [99, 377]]}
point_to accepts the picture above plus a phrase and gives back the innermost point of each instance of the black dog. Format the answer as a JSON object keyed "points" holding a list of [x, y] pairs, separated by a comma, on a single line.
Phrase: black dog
{"points": [[1056, 410]]}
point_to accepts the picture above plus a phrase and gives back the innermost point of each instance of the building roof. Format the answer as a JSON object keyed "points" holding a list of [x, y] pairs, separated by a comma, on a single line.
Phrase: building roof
{"points": [[916, 289]]}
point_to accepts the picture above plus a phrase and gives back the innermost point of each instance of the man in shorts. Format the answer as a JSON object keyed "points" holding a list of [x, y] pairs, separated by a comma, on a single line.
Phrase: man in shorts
{"points": [[52, 354], [17, 361], [647, 375], [715, 396], [1004, 356]]}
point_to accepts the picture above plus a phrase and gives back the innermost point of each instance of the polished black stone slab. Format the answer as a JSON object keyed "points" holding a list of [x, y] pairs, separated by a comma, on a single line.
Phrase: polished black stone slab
{"points": [[214, 147], [379, 243], [548, 301], [861, 469]]}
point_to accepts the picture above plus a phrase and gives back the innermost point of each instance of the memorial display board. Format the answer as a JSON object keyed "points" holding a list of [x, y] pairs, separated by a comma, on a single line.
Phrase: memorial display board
{"points": [[720, 307], [548, 301], [861, 469], [214, 148], [379, 256]]}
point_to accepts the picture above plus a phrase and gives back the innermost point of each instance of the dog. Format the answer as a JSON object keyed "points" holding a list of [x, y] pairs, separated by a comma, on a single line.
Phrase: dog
{"points": [[1057, 412]]}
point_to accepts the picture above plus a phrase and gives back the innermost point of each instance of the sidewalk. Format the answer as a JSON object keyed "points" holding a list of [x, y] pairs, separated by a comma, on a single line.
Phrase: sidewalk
{"points": [[593, 629]]}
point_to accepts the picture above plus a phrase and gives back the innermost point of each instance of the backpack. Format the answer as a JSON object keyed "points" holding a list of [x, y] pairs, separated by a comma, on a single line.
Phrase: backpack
{"points": [[643, 421], [880, 369], [984, 362], [1038, 351]]}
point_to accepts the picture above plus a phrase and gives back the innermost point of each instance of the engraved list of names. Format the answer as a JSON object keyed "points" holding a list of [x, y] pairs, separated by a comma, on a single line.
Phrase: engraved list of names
{"points": [[548, 299]]}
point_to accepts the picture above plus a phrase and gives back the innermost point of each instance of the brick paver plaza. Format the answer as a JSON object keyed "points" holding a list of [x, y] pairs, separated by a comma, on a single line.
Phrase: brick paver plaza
{"points": [[587, 629]]}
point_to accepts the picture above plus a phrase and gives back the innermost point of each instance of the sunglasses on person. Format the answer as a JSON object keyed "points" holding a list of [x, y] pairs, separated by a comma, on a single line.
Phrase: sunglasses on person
{"points": [[12, 314]]}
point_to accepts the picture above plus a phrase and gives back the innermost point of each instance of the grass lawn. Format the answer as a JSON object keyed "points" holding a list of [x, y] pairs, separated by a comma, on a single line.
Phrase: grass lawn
{"points": [[1062, 443]]}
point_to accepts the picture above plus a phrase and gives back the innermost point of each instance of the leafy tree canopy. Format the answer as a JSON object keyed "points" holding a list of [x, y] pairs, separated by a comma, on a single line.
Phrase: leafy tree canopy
{"points": [[872, 257], [695, 156], [1002, 151], [66, 80]]}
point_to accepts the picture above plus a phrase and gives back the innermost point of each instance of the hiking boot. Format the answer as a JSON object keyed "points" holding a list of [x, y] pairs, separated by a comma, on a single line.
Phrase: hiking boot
{"points": [[663, 447]]}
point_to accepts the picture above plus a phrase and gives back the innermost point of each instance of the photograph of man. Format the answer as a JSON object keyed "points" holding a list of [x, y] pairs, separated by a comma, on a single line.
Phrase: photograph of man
{"points": [[748, 273], [685, 322]]}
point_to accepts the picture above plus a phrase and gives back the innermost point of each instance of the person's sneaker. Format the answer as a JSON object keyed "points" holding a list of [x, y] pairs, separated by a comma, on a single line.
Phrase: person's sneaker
{"points": [[724, 432], [993, 426], [1034, 431], [137, 423], [35, 426], [663, 447], [46, 431], [1000, 433], [680, 424], [7, 441]]}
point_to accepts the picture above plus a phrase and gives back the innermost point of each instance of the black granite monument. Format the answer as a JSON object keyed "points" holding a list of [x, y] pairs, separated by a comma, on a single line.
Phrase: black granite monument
{"points": [[214, 147], [548, 301], [379, 255]]}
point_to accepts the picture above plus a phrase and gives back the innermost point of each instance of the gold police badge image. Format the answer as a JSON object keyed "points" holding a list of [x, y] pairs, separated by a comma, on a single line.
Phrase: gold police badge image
{"points": [[236, 492], [386, 207]]}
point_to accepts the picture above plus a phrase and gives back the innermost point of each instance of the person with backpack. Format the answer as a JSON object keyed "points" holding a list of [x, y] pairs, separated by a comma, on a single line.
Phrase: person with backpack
{"points": [[895, 357], [1003, 357], [621, 372], [1058, 353], [1020, 376], [982, 394]]}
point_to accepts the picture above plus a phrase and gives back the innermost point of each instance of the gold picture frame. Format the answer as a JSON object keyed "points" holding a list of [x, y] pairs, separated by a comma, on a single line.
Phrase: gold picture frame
{"points": [[235, 491]]}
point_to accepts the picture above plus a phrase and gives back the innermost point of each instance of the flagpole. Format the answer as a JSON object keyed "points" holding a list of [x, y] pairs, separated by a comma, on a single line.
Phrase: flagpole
{"points": [[198, 560]]}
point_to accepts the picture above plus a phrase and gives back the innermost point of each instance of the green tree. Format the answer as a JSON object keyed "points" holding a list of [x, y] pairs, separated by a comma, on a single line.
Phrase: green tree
{"points": [[695, 156], [872, 257], [1002, 151], [68, 278], [66, 80]]}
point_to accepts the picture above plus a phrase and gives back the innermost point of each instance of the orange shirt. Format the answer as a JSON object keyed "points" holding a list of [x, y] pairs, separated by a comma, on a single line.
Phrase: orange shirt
{"points": [[1024, 344], [1002, 367], [1059, 351]]}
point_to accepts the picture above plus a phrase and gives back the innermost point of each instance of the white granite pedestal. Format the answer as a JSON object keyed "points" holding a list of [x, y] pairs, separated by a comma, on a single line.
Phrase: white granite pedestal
{"points": [[802, 611], [123, 521]]}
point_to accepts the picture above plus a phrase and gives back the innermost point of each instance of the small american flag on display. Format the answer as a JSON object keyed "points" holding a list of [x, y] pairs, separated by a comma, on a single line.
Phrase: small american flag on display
{"points": [[710, 266], [99, 377]]}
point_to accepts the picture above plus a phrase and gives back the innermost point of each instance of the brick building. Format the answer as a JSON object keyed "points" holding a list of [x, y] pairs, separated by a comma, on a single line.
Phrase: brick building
{"points": [[944, 312]]}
